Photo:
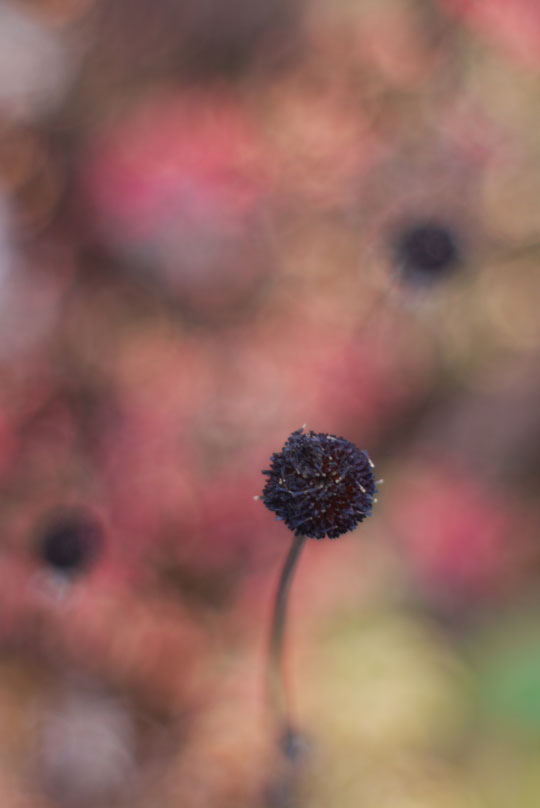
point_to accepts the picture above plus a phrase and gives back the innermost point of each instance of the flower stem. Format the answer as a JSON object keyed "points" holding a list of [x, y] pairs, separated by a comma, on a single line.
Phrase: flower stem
{"points": [[276, 684]]}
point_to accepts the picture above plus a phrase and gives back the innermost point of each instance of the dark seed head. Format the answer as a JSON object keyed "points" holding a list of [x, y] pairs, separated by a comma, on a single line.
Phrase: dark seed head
{"points": [[70, 541], [426, 252], [319, 485]]}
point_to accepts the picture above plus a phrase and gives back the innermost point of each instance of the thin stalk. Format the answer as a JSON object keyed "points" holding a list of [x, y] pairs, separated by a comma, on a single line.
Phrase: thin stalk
{"points": [[276, 680]]}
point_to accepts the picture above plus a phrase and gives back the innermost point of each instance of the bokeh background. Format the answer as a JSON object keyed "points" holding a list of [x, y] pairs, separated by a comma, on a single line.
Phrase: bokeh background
{"points": [[220, 220]]}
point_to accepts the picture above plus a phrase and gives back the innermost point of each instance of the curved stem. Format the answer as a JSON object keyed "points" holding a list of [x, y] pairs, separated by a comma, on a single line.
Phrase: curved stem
{"points": [[277, 690]]}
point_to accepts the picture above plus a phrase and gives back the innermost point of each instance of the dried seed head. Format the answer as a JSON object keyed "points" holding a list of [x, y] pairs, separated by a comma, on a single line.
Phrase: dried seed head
{"points": [[319, 485]]}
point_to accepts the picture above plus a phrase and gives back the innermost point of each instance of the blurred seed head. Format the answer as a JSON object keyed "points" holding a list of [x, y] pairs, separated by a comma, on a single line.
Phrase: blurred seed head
{"points": [[426, 252], [70, 541]]}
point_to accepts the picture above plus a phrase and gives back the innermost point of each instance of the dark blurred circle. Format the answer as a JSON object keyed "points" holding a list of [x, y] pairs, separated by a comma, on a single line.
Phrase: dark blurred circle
{"points": [[70, 541], [426, 252]]}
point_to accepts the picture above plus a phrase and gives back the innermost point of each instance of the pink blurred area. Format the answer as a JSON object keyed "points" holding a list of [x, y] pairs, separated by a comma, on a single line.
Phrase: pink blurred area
{"points": [[463, 537], [514, 27]]}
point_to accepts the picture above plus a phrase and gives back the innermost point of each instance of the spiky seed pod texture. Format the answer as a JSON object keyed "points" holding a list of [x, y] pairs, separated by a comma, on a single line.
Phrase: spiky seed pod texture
{"points": [[319, 485]]}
